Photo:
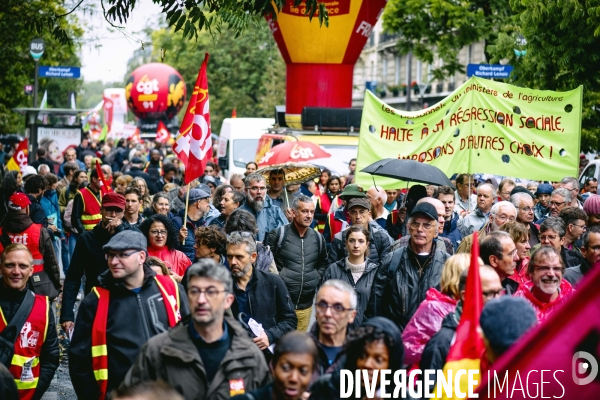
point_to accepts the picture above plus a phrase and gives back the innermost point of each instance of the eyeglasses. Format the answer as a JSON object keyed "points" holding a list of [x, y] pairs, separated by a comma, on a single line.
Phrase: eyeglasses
{"points": [[158, 233], [595, 249], [556, 203], [491, 294], [550, 238], [580, 226], [336, 309], [242, 234], [545, 268], [426, 225], [120, 256], [211, 293], [258, 189], [526, 209]]}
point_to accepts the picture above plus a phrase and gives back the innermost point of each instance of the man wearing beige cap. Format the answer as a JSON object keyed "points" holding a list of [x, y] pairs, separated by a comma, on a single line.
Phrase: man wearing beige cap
{"points": [[359, 210]]}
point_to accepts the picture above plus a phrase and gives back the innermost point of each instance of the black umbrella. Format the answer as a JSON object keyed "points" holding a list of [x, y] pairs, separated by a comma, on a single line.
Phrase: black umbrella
{"points": [[409, 171]]}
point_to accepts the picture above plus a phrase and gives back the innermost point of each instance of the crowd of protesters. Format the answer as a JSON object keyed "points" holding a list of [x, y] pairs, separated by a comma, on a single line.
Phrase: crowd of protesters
{"points": [[247, 287]]}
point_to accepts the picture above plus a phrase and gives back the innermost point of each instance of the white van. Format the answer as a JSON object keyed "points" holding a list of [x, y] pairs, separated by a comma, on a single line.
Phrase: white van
{"points": [[238, 142]]}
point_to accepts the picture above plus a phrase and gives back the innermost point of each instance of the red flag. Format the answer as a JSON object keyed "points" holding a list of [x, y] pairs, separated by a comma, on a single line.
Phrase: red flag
{"points": [[162, 133], [104, 188], [465, 353], [19, 159], [193, 145]]}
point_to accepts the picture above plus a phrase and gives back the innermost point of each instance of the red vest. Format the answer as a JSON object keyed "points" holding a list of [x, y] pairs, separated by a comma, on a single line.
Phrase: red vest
{"points": [[90, 217], [25, 364], [335, 225], [170, 293], [30, 237], [325, 205]]}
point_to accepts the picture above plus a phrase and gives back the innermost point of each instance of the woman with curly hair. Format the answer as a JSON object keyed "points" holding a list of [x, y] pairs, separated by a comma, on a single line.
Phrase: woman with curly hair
{"points": [[376, 345], [162, 239], [211, 242]]}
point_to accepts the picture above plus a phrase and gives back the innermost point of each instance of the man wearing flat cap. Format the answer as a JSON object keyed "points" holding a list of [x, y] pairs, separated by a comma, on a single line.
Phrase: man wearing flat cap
{"points": [[129, 305], [406, 274], [359, 209], [88, 256]]}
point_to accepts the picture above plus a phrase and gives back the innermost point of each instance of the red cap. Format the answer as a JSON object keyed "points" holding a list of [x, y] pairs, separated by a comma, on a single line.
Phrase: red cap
{"points": [[18, 201], [113, 199]]}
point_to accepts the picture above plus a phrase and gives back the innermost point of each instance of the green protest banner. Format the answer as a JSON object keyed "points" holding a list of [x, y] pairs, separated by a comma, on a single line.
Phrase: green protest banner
{"points": [[482, 127]]}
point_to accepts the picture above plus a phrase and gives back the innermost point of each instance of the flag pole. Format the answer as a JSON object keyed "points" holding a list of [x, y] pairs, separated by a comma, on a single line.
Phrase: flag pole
{"points": [[187, 201]]}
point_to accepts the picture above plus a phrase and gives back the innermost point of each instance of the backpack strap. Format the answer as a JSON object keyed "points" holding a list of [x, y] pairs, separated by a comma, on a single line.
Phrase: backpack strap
{"points": [[281, 235], [395, 262]]}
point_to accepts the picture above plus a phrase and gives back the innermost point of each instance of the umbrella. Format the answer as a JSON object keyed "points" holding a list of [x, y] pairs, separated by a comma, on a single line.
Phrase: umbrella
{"points": [[293, 173], [409, 171], [292, 152]]}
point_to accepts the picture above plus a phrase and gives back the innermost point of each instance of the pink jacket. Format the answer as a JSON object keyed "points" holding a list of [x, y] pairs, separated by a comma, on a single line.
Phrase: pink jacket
{"points": [[426, 321], [176, 261]]}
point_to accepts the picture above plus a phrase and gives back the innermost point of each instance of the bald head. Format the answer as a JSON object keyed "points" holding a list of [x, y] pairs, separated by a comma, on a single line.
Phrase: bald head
{"points": [[439, 207]]}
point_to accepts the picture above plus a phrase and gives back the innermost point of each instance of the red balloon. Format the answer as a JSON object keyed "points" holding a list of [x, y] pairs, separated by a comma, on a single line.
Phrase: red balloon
{"points": [[155, 90]]}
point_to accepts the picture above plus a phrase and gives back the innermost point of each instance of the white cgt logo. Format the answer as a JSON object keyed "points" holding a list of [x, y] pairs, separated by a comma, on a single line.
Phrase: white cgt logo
{"points": [[301, 152]]}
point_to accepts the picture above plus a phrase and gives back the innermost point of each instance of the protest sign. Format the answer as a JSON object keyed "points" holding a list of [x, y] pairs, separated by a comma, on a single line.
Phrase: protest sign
{"points": [[482, 127]]}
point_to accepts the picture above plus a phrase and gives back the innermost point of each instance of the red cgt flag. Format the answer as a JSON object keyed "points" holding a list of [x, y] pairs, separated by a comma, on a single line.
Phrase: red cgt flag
{"points": [[104, 188], [193, 145], [162, 133]]}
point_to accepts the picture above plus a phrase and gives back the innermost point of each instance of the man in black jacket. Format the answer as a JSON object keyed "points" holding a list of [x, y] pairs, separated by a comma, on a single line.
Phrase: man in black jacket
{"points": [[136, 171], [300, 254], [16, 268], [259, 295], [35, 187], [407, 273], [436, 350], [136, 312], [88, 256]]}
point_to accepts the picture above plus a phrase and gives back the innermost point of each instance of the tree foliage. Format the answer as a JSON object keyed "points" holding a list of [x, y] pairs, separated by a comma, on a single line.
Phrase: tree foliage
{"points": [[443, 27], [246, 73], [16, 64], [562, 42]]}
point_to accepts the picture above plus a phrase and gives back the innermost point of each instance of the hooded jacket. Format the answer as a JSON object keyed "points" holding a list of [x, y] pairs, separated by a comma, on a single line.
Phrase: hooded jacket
{"points": [[173, 357], [328, 386], [133, 318], [188, 246], [426, 321], [49, 202], [543, 310], [300, 261], [16, 223], [402, 283], [89, 259], [362, 287]]}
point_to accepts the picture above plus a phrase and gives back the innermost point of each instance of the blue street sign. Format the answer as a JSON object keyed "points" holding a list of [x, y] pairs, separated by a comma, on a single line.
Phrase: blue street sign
{"points": [[59, 72], [496, 71]]}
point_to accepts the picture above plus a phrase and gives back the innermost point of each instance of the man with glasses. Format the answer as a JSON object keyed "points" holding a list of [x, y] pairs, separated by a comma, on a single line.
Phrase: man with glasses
{"points": [[523, 202], [300, 254], [259, 295], [129, 305], [88, 256], [590, 187], [407, 273], [208, 355], [559, 199], [486, 197], [268, 215], [500, 213], [465, 200], [359, 210], [590, 249], [575, 223], [436, 350], [552, 234], [498, 250], [572, 185], [547, 288], [335, 310]]}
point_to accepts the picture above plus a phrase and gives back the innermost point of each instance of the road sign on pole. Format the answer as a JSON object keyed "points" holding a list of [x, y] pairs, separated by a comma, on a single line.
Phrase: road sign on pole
{"points": [[495, 71], [36, 49], [59, 72]]}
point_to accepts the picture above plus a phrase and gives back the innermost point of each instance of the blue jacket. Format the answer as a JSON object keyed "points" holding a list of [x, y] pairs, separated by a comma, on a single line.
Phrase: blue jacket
{"points": [[271, 217], [451, 231], [61, 170], [49, 202], [190, 241]]}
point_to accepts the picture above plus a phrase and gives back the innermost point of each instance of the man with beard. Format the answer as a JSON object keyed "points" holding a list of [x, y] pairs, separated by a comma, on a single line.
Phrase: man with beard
{"points": [[547, 289], [268, 215], [209, 354], [132, 216], [259, 295], [300, 256], [501, 212]]}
